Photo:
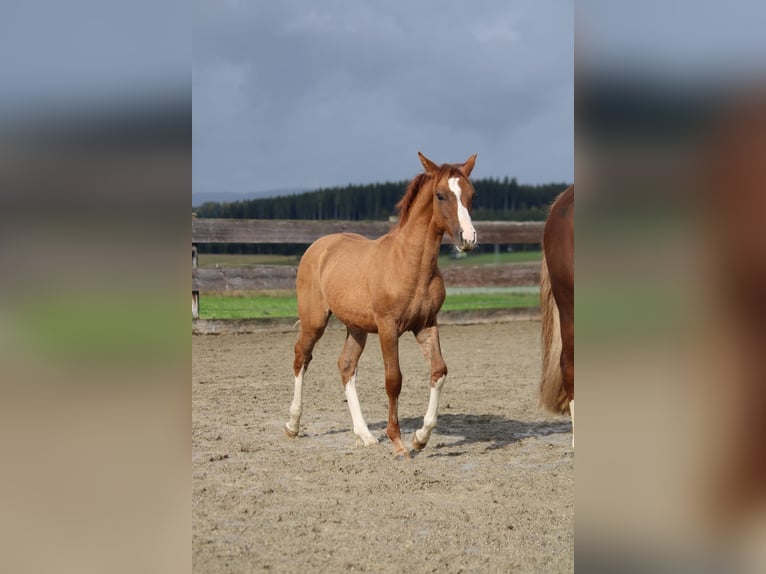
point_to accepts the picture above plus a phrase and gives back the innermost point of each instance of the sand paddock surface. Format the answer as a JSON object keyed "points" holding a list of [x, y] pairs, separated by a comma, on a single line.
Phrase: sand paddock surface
{"points": [[493, 491]]}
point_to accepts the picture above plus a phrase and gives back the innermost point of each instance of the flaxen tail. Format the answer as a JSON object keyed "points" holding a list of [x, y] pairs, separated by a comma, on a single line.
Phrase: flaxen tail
{"points": [[552, 395]]}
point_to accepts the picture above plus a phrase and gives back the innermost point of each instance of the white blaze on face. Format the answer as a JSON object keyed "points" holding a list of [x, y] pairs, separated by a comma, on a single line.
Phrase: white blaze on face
{"points": [[466, 226]]}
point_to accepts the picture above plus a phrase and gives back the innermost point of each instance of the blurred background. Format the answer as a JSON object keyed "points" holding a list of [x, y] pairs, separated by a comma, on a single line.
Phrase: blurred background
{"points": [[669, 162], [95, 179], [95, 166]]}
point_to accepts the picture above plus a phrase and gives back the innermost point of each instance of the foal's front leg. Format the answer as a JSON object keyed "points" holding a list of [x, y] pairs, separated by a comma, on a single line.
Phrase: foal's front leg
{"points": [[389, 344], [428, 339]]}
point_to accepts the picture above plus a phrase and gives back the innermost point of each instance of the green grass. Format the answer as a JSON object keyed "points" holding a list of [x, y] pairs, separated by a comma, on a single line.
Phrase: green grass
{"points": [[247, 306], [284, 305], [506, 299]]}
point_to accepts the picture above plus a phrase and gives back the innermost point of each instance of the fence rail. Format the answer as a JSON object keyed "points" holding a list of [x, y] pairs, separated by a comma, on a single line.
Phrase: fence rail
{"points": [[306, 231], [244, 278], [283, 277], [272, 231]]}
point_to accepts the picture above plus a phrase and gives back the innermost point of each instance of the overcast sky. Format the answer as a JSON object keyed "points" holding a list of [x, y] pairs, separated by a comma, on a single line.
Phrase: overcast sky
{"points": [[679, 40], [297, 94], [82, 54]]}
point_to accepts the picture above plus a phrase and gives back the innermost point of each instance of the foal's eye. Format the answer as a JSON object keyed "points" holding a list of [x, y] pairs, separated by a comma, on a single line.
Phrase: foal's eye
{"points": [[439, 196]]}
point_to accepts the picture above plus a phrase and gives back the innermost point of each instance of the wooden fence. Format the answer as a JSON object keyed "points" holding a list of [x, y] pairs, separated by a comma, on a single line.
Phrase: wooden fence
{"points": [[307, 231]]}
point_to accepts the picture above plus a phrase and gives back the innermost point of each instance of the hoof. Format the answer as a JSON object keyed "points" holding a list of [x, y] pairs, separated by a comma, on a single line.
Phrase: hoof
{"points": [[417, 444], [400, 451], [405, 455], [366, 441], [289, 432]]}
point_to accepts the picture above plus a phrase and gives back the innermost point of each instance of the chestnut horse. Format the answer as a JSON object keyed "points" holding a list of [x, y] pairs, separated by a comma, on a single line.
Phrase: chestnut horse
{"points": [[388, 286], [557, 305]]}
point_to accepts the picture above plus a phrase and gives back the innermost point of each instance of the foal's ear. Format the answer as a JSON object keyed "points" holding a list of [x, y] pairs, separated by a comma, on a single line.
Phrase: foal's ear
{"points": [[430, 167], [467, 167]]}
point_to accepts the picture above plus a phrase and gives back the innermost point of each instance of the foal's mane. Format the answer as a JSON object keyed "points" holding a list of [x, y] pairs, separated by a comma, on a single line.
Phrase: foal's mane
{"points": [[408, 199]]}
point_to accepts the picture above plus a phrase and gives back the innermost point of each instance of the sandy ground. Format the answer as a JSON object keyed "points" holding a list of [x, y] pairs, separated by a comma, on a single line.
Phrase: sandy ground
{"points": [[492, 492]]}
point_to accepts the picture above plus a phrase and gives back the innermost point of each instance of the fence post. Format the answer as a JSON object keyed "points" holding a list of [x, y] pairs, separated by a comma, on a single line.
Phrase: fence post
{"points": [[195, 293]]}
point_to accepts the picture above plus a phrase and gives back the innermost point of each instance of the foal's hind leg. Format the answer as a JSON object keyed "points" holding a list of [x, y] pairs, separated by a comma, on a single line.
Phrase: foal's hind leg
{"points": [[349, 358], [428, 339], [311, 332]]}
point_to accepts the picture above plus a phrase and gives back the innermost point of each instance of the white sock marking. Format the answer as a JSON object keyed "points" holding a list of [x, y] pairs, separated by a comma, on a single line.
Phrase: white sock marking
{"points": [[429, 420], [296, 407], [360, 427], [469, 233]]}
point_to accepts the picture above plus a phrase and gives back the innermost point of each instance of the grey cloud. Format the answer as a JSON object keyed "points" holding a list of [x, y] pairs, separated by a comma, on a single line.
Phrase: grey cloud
{"points": [[297, 94]]}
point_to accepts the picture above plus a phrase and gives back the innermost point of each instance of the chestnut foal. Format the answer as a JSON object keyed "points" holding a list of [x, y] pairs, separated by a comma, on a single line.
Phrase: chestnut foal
{"points": [[388, 286]]}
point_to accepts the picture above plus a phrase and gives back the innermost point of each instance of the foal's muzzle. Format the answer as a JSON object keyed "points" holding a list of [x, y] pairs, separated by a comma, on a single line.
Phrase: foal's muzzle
{"points": [[466, 243]]}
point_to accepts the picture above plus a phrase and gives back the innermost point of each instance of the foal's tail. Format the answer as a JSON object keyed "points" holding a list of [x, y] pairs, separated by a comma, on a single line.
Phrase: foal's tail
{"points": [[553, 397]]}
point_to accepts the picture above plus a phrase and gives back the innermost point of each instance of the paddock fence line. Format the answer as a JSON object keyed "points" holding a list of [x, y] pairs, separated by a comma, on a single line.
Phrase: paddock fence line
{"points": [[275, 231]]}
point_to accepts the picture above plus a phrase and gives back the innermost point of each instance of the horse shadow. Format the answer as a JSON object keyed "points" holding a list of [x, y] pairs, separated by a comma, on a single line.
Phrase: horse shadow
{"points": [[497, 431]]}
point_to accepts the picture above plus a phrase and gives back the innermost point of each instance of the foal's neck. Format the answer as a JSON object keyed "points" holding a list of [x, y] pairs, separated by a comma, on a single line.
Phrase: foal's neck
{"points": [[420, 237]]}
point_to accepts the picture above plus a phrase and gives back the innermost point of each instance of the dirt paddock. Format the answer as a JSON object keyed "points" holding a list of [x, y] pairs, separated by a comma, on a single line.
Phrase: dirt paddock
{"points": [[492, 492]]}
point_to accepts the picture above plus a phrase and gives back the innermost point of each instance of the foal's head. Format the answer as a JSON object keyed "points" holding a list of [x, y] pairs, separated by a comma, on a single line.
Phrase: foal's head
{"points": [[452, 197]]}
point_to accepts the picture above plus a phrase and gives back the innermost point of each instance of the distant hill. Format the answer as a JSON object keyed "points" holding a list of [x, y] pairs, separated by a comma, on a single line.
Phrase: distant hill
{"points": [[230, 196]]}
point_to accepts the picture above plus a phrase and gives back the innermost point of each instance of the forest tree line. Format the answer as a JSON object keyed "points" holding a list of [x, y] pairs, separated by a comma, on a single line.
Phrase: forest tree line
{"points": [[495, 200]]}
